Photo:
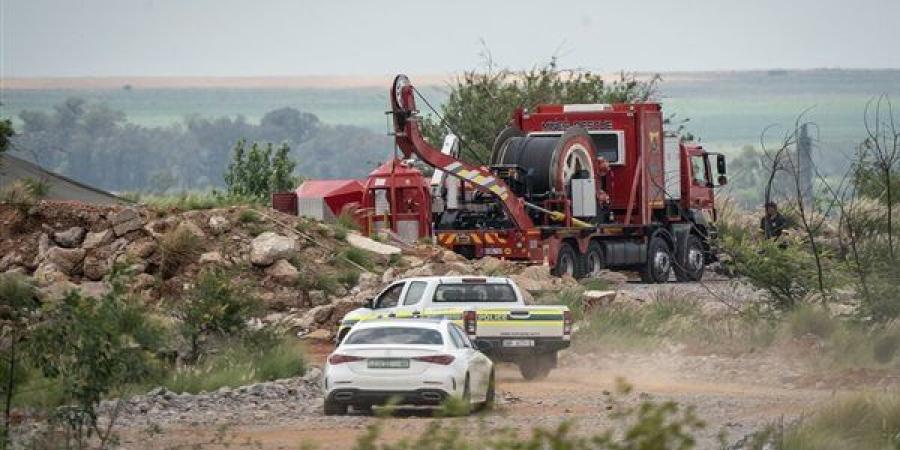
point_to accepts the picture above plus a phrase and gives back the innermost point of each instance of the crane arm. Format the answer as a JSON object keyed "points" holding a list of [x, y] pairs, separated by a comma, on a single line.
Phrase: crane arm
{"points": [[409, 139]]}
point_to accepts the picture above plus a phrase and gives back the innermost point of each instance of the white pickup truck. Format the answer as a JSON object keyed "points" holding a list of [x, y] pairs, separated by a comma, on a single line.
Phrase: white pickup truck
{"points": [[490, 309]]}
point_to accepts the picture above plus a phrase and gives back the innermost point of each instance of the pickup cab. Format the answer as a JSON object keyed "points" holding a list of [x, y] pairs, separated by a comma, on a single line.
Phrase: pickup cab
{"points": [[491, 310]]}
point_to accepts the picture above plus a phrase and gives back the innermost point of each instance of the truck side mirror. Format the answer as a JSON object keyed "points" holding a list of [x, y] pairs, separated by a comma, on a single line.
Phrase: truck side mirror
{"points": [[720, 165], [723, 180]]}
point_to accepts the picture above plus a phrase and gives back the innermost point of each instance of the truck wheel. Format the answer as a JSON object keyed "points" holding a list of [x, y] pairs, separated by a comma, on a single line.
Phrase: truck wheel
{"points": [[690, 265], [567, 262], [334, 409], [659, 261], [594, 260]]}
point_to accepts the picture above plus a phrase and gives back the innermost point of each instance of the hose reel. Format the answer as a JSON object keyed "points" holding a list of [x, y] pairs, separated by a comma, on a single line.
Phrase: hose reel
{"points": [[551, 160]]}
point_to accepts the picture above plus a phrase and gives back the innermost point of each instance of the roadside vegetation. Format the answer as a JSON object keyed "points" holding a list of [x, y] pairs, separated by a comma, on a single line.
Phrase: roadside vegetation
{"points": [[62, 358]]}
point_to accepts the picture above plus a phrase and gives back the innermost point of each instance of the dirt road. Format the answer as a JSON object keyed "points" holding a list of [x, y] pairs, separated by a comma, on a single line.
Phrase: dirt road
{"points": [[733, 395]]}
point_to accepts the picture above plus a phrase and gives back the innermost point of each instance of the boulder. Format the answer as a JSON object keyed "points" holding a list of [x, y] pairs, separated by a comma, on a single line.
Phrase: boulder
{"points": [[423, 270], [98, 239], [95, 267], [142, 282], [283, 272], [57, 290], [343, 306], [213, 257], [141, 249], [192, 228], [268, 247], [317, 298], [95, 289], [218, 224], [364, 243], [449, 256], [368, 280], [595, 299], [126, 220], [321, 314], [613, 278], [48, 274], [68, 260], [69, 238], [43, 247], [389, 275], [317, 335]]}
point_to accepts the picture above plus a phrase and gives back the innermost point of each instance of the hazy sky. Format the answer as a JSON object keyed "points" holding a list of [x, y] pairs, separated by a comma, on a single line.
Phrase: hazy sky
{"points": [[296, 37]]}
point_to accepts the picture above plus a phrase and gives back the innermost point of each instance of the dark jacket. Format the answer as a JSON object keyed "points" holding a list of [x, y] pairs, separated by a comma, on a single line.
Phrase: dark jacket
{"points": [[773, 226]]}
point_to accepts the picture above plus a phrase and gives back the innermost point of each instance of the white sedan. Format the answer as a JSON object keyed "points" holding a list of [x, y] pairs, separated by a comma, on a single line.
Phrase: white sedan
{"points": [[417, 362]]}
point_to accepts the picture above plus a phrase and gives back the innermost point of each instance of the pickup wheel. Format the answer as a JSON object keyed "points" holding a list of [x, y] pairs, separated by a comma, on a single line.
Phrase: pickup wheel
{"points": [[334, 409], [689, 265], [538, 367], [659, 261], [568, 262]]}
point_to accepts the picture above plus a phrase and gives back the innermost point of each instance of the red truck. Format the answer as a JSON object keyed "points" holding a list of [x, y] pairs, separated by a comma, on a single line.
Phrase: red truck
{"points": [[584, 187]]}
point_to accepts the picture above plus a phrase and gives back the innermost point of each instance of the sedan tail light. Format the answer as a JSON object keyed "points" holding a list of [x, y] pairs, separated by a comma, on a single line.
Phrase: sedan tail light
{"points": [[340, 359], [436, 359], [567, 322]]}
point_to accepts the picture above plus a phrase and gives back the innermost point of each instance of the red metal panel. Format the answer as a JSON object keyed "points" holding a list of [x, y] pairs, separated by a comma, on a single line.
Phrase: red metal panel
{"points": [[285, 202]]}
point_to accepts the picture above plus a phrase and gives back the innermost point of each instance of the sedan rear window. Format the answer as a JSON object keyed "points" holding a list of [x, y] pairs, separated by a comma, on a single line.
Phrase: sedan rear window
{"points": [[395, 335], [474, 293]]}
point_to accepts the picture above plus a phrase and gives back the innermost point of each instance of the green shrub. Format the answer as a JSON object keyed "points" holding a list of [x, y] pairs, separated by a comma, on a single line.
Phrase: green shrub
{"points": [[358, 256], [348, 277], [346, 222], [340, 233], [248, 216], [177, 248], [810, 319], [596, 284], [214, 306]]}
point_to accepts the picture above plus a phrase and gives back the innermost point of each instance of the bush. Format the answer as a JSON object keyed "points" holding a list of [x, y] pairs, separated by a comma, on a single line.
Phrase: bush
{"points": [[810, 319], [91, 347], [358, 256], [177, 248], [214, 306], [340, 233], [248, 216], [189, 200], [348, 277]]}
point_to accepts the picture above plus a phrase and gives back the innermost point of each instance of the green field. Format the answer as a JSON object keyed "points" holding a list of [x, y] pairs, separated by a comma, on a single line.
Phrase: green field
{"points": [[727, 110]]}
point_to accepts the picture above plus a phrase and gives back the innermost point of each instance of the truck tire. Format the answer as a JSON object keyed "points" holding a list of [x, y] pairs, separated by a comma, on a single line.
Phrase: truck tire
{"points": [[537, 367], [689, 264], [659, 261], [568, 262], [334, 409], [594, 260]]}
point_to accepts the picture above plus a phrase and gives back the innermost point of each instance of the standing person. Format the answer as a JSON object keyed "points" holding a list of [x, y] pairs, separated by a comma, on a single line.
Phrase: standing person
{"points": [[773, 223]]}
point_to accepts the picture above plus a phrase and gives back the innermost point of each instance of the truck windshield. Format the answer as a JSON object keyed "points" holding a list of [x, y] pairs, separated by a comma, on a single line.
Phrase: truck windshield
{"points": [[474, 293], [395, 335]]}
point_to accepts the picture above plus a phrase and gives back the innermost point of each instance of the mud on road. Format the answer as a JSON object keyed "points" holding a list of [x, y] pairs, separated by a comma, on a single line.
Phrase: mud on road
{"points": [[736, 396]]}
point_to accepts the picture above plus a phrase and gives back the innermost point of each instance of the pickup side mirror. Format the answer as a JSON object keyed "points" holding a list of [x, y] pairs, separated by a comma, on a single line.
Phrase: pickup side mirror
{"points": [[482, 346], [370, 303]]}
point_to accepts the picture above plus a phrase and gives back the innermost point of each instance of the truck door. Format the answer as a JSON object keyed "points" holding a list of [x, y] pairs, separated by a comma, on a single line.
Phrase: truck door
{"points": [[411, 302], [701, 185]]}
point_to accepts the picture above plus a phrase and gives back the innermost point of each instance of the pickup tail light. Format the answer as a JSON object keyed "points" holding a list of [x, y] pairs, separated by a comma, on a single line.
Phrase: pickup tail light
{"points": [[340, 359], [470, 322], [567, 322], [436, 359]]}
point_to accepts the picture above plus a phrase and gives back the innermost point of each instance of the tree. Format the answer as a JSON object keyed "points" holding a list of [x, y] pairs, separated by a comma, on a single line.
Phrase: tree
{"points": [[6, 133], [481, 103], [256, 173], [92, 346], [214, 306], [18, 302]]}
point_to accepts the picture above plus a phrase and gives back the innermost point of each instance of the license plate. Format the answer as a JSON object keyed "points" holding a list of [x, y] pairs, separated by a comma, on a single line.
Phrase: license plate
{"points": [[388, 364], [493, 251], [518, 342]]}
